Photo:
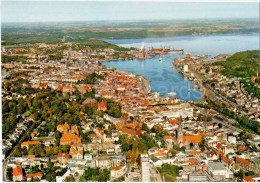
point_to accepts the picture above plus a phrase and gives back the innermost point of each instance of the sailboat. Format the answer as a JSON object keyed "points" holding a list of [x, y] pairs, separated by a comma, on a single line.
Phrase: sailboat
{"points": [[171, 93], [188, 87], [160, 59]]}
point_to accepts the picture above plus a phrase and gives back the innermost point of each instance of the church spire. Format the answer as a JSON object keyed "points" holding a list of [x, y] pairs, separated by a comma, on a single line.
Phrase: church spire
{"points": [[180, 131]]}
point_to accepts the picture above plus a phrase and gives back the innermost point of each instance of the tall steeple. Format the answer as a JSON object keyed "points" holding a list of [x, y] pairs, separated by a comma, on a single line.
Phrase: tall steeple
{"points": [[180, 131]]}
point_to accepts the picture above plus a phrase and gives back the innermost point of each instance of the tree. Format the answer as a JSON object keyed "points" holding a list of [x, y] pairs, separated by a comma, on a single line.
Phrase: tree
{"points": [[50, 177], [145, 128], [57, 136], [170, 169], [172, 152], [9, 174], [69, 179], [50, 164], [82, 179], [239, 174]]}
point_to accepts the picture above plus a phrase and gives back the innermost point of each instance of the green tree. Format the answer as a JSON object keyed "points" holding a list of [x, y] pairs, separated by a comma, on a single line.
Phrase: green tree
{"points": [[69, 179], [50, 177]]}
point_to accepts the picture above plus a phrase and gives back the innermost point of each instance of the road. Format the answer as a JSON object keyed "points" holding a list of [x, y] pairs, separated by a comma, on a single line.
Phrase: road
{"points": [[155, 174], [30, 129], [5, 171], [227, 125]]}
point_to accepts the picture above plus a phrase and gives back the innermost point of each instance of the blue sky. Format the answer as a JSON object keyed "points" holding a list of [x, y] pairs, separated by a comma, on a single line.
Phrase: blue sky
{"points": [[48, 11]]}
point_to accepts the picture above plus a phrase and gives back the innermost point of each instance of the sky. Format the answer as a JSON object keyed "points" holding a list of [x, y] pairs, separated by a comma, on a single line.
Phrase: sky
{"points": [[57, 11]]}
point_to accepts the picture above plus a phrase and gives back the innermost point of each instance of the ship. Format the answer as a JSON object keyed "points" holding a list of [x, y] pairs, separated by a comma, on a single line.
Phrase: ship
{"points": [[181, 51], [160, 59], [171, 94]]}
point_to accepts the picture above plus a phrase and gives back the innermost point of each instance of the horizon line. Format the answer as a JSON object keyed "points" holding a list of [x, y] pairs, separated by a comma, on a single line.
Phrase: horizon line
{"points": [[132, 20]]}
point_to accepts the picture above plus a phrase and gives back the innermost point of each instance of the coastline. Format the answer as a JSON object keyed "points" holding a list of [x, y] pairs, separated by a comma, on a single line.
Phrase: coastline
{"points": [[187, 75]]}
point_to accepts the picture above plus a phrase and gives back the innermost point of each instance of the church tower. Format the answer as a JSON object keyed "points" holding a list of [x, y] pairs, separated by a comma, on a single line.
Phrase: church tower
{"points": [[180, 132]]}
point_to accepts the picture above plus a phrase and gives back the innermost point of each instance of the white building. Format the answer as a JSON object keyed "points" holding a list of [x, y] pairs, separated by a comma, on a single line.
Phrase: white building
{"points": [[218, 171], [118, 171], [185, 68], [145, 168]]}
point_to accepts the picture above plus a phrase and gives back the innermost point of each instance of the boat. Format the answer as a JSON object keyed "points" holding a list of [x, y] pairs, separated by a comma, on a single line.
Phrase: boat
{"points": [[181, 51], [195, 87], [171, 94]]}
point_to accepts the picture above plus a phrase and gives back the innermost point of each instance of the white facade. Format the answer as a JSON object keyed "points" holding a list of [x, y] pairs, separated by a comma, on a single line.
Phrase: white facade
{"points": [[185, 68], [218, 171], [145, 168]]}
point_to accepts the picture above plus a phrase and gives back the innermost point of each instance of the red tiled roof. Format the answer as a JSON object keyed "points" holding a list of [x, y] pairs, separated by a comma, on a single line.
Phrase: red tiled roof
{"points": [[211, 112], [192, 138], [173, 121], [74, 151], [195, 152], [193, 161], [219, 152], [243, 161], [38, 174], [167, 137], [28, 143], [68, 139], [226, 160], [242, 148], [219, 146], [248, 179], [115, 168], [65, 155], [17, 171], [42, 85]]}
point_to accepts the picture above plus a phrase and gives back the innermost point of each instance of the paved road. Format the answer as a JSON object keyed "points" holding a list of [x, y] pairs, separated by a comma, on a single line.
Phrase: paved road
{"points": [[227, 125], [155, 174], [5, 171]]}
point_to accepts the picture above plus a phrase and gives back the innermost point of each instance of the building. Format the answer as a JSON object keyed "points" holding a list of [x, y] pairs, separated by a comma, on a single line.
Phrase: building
{"points": [[185, 68], [33, 176], [64, 128], [218, 171], [189, 141], [27, 144], [17, 174], [118, 171], [248, 179], [90, 102], [76, 152], [70, 139], [195, 177], [63, 158], [102, 106], [145, 168], [84, 88], [242, 163]]}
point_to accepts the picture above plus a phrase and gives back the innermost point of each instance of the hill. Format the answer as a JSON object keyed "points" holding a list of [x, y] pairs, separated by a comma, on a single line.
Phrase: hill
{"points": [[241, 64]]}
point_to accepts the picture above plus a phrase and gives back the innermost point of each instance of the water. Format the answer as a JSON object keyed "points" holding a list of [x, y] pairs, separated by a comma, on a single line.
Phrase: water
{"points": [[211, 45], [164, 78]]}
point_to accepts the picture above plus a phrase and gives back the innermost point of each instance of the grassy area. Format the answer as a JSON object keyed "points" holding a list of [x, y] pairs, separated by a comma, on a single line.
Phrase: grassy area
{"points": [[168, 177], [169, 172]]}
